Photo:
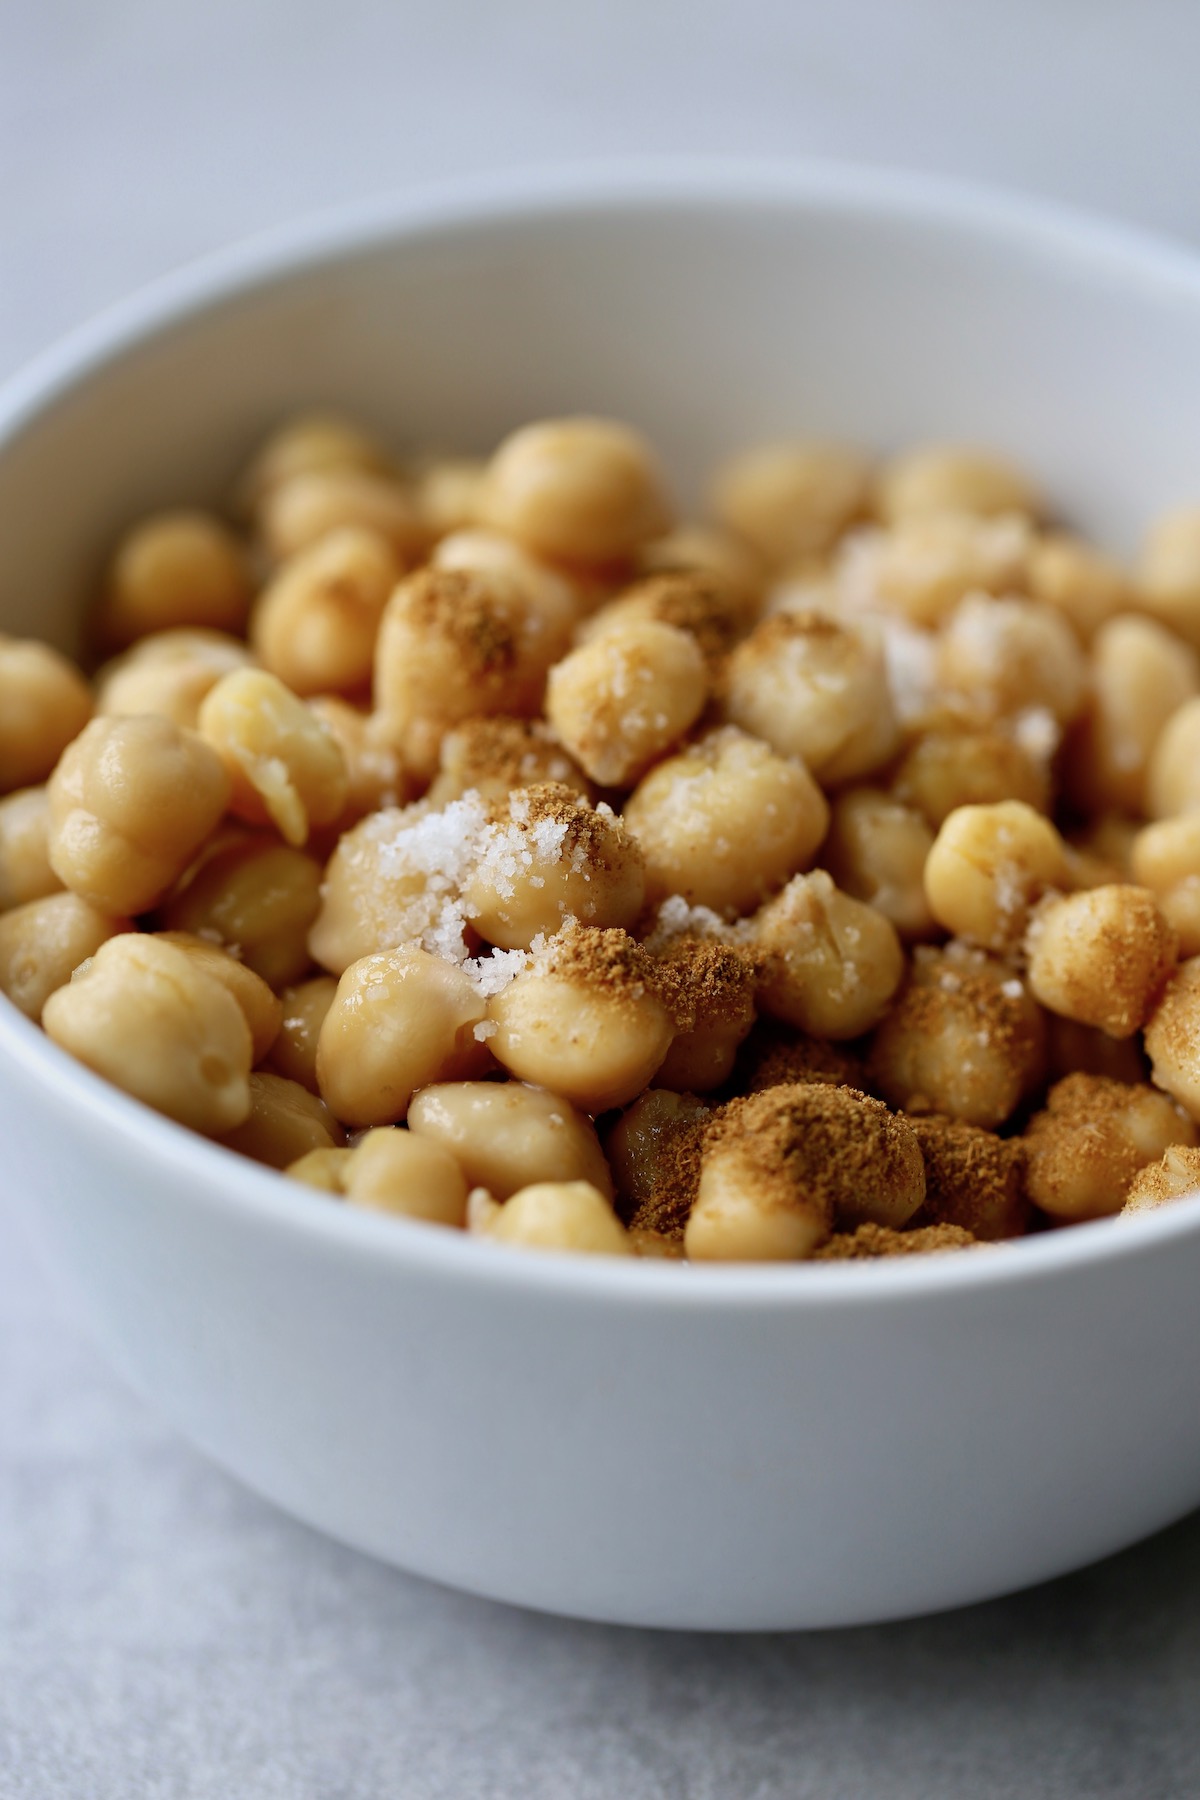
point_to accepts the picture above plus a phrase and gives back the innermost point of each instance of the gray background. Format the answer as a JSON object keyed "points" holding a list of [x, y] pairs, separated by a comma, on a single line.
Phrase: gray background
{"points": [[163, 1633]]}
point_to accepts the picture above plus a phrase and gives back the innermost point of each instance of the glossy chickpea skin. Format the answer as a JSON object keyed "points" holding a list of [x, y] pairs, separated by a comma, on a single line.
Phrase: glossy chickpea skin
{"points": [[25, 872], [622, 700], [1165, 857], [941, 478], [131, 803], [283, 763], [1101, 957], [508, 1135], [399, 1020], [1141, 675], [726, 822], [44, 941], [559, 1215], [257, 898], [830, 964], [145, 1016], [375, 775], [1173, 772], [952, 761], [988, 866], [876, 852], [293, 1050], [408, 1176], [1006, 655], [315, 624], [1089, 1141], [549, 856], [639, 1146], [578, 490], [44, 704], [1173, 1037], [1168, 572], [262, 1009], [169, 674], [172, 570], [790, 501], [285, 1122]]}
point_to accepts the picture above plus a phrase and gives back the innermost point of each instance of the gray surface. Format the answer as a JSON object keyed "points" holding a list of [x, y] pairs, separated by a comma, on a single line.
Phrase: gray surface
{"points": [[162, 1633]]}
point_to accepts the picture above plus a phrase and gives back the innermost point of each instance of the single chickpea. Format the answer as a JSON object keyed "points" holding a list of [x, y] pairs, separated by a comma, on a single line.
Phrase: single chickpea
{"points": [[584, 1019], [922, 567], [263, 1009], [149, 1019], [549, 856], [701, 605], [725, 822], [131, 803], [1073, 1049], [1102, 851], [453, 643], [448, 493], [44, 941], [1168, 572], [1141, 675], [1008, 655], [954, 761], [876, 852], [494, 755], [621, 701], [963, 1038], [298, 512], [399, 1020], [174, 569], [1086, 1146], [578, 490], [284, 764], [551, 596], [1101, 957], [169, 673], [315, 624], [988, 866], [560, 1215], [1173, 772], [375, 775], [816, 690], [44, 704], [1173, 1037], [948, 478], [506, 1135], [411, 1177], [703, 550], [258, 899], [709, 991], [791, 501], [285, 1122], [1087, 587], [830, 964], [1176, 1177], [25, 872], [973, 1179], [1166, 859], [303, 1009], [653, 1151], [323, 1169], [310, 444]]}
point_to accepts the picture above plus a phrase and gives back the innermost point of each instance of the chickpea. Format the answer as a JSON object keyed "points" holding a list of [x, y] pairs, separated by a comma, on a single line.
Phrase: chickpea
{"points": [[561, 1215], [169, 673], [506, 1135], [25, 872], [579, 490], [709, 991], [298, 512], [262, 1009], [549, 857], [283, 763], [285, 1123], [375, 775], [308, 445], [131, 803], [1168, 572], [174, 569], [1007, 655], [494, 755], [988, 866], [1173, 1037], [643, 1148], [922, 567], [584, 1019], [44, 704], [725, 822], [953, 762], [703, 550], [1087, 587], [1173, 772], [448, 493], [315, 624], [44, 941], [150, 1020], [1166, 859], [258, 899], [701, 605], [1073, 1049], [816, 690], [399, 1020], [303, 1009], [411, 1177], [1090, 1140], [453, 643], [876, 852], [621, 701], [947, 478], [323, 1169], [1176, 1177], [973, 1179], [550, 596], [1102, 851], [1141, 675], [831, 964], [1101, 957], [791, 501], [963, 1038]]}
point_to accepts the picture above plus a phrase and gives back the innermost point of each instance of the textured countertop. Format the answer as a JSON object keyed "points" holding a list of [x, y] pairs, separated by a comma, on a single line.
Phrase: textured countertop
{"points": [[162, 1632]]}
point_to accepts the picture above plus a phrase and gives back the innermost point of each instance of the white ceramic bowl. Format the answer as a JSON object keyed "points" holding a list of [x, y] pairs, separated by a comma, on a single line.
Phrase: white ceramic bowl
{"points": [[721, 1447]]}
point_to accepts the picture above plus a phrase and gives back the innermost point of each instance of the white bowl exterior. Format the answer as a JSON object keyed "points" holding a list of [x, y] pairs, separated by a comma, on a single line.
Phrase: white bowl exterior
{"points": [[651, 1444]]}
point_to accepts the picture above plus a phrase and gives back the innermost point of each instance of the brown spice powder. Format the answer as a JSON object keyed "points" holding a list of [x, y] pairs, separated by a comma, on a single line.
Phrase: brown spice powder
{"points": [[773, 1057], [870, 1243], [703, 982], [496, 754], [973, 1179], [478, 614], [695, 602]]}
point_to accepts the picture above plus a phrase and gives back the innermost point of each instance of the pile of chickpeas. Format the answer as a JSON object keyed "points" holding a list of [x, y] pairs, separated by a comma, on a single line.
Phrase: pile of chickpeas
{"points": [[475, 841]]}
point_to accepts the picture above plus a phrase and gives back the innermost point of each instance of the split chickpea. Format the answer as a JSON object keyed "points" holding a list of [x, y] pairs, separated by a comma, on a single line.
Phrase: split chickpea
{"points": [[283, 763]]}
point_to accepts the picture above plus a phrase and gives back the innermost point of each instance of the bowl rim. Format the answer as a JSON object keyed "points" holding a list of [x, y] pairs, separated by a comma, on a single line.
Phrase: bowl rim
{"points": [[1131, 254]]}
